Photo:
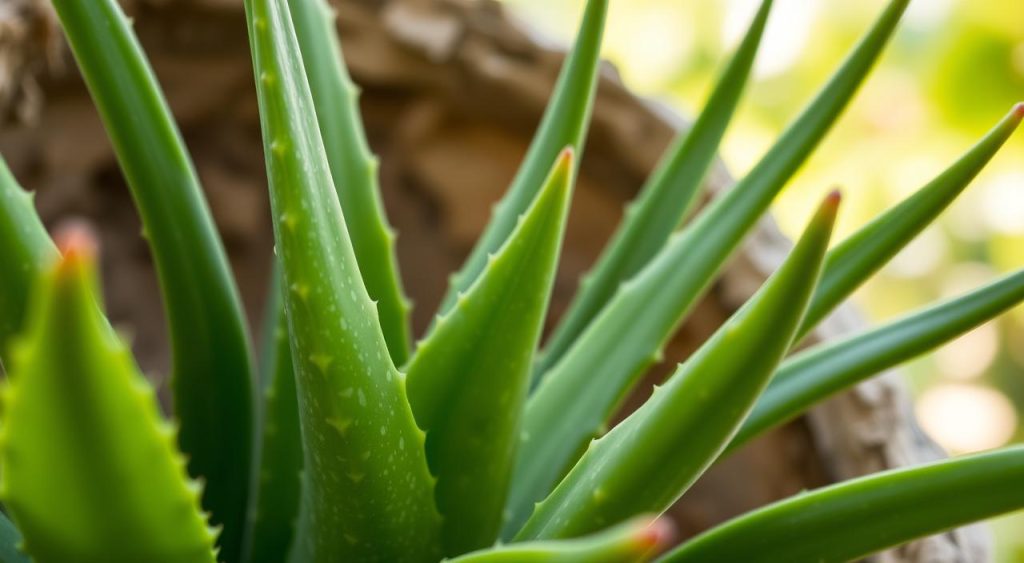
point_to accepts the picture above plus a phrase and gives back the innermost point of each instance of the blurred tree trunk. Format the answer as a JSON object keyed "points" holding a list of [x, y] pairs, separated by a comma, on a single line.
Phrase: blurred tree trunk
{"points": [[454, 89]]}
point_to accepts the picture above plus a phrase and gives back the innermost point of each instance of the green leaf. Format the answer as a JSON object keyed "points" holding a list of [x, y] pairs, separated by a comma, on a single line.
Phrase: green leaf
{"points": [[851, 520], [26, 249], [635, 541], [564, 124], [468, 381], [646, 462], [818, 373], [582, 390], [212, 379], [353, 168], [10, 540], [854, 260], [367, 492], [663, 202], [278, 481], [90, 470]]}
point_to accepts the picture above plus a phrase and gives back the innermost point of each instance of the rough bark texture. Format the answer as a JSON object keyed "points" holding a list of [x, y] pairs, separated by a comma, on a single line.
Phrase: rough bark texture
{"points": [[29, 42], [453, 90]]}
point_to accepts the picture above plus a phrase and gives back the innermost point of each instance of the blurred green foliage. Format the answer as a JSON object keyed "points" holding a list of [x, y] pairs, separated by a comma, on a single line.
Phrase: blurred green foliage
{"points": [[954, 69]]}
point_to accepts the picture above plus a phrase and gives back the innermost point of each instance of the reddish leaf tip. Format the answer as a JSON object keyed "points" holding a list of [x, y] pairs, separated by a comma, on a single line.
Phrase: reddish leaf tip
{"points": [[656, 535], [1018, 110], [565, 158], [77, 244], [832, 200]]}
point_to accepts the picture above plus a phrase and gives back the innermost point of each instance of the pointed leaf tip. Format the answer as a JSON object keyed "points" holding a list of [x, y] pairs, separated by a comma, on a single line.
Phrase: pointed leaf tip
{"points": [[663, 294], [82, 395], [659, 534], [833, 199], [565, 123], [638, 466], [211, 366], [77, 244], [76, 265], [1009, 124], [469, 398], [1012, 120], [636, 540], [566, 159], [666, 199], [860, 255], [825, 217]]}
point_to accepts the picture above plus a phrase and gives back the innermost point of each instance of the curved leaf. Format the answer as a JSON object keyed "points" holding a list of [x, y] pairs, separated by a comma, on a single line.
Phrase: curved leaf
{"points": [[353, 168], [367, 492], [646, 462], [583, 389], [815, 374], [564, 124], [632, 542], [90, 471], [212, 381], [663, 202], [851, 520], [468, 381], [854, 260]]}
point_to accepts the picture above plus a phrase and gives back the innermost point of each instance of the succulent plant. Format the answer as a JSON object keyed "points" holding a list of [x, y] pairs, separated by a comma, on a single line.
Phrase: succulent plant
{"points": [[477, 443]]}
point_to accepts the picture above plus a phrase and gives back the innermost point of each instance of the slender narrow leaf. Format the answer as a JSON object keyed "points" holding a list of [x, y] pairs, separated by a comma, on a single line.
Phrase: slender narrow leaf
{"points": [[468, 381], [851, 520], [646, 462], [10, 540], [277, 484], [212, 382], [582, 390], [565, 123], [25, 248], [853, 261], [824, 370], [664, 201], [353, 168], [635, 541], [367, 492], [90, 470]]}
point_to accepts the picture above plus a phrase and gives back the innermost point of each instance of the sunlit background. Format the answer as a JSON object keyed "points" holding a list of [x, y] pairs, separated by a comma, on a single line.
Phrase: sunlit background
{"points": [[955, 68]]}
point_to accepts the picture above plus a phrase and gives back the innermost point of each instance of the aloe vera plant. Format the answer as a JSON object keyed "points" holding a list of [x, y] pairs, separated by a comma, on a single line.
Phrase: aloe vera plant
{"points": [[480, 443]]}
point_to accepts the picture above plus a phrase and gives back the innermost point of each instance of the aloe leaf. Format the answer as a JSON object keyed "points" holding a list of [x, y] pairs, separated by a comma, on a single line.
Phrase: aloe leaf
{"points": [[26, 248], [367, 492], [649, 460], [353, 168], [851, 520], [212, 381], [278, 479], [581, 391], [10, 540], [634, 541], [663, 202], [90, 470], [816, 374], [854, 260], [468, 381], [564, 124]]}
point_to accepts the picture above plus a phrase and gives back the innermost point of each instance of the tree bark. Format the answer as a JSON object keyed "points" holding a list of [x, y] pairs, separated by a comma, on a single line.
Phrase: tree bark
{"points": [[453, 91]]}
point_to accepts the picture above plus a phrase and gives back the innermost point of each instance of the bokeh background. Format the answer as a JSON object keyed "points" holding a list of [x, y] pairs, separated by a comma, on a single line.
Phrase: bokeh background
{"points": [[954, 69]]}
